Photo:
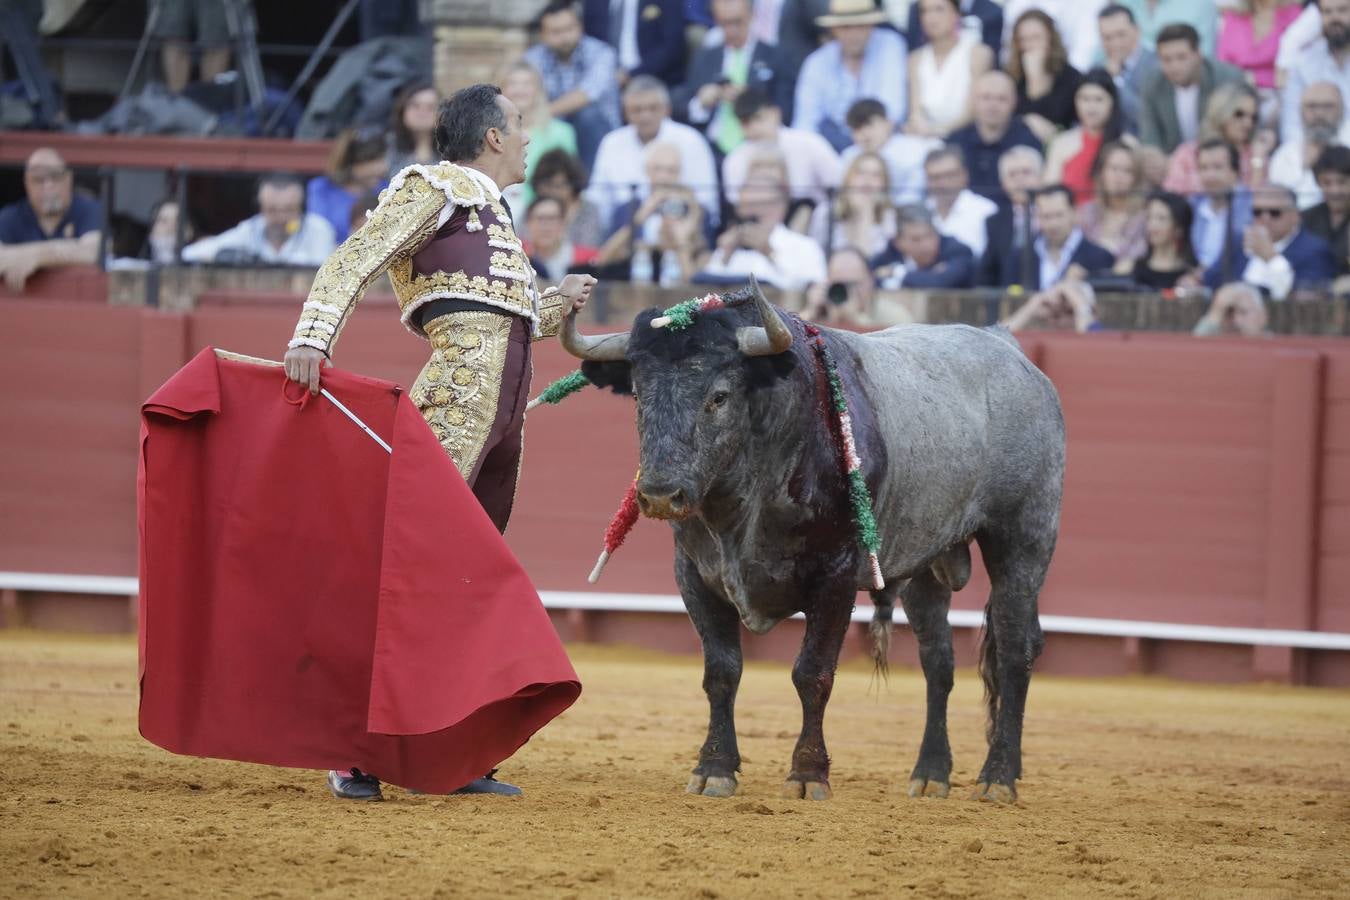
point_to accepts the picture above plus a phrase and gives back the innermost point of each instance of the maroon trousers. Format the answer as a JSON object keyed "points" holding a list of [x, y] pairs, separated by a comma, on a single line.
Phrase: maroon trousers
{"points": [[494, 476]]}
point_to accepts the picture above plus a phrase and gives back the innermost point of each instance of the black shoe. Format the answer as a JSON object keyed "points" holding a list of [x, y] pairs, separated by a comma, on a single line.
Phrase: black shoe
{"points": [[357, 785], [490, 785]]}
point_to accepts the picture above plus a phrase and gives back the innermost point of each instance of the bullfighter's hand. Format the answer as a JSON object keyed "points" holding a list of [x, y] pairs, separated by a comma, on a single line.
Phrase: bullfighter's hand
{"points": [[303, 365], [576, 288]]}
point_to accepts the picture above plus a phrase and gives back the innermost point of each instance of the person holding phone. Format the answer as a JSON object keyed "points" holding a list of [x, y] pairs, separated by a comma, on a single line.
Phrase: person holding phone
{"points": [[758, 242]]}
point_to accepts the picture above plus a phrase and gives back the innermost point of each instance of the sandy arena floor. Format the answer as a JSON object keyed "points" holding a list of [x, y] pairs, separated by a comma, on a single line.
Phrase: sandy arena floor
{"points": [[1134, 788]]}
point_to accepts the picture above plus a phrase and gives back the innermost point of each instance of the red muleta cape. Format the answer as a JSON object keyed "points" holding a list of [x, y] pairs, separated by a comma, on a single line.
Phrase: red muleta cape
{"points": [[310, 600]]}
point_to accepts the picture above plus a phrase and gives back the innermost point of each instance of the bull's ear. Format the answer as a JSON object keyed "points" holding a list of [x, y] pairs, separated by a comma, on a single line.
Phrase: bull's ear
{"points": [[617, 376]]}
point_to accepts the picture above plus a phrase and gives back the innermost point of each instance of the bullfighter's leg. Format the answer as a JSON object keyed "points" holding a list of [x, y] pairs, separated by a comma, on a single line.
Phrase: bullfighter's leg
{"points": [[719, 628], [926, 601], [813, 676], [1017, 557]]}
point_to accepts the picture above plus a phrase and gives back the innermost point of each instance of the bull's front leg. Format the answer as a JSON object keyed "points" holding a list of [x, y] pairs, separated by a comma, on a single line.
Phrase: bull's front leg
{"points": [[719, 629], [813, 676]]}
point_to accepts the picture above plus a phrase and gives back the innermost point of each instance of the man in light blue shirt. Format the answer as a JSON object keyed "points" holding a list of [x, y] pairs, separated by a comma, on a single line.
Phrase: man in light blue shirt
{"points": [[282, 233], [1217, 164], [862, 61], [1327, 59]]}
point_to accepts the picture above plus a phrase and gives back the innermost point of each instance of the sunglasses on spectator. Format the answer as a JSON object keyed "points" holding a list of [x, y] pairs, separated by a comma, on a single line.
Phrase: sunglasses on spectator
{"points": [[1267, 212]]}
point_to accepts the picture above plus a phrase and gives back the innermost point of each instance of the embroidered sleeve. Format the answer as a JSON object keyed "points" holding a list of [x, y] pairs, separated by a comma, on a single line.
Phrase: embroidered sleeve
{"points": [[405, 218], [552, 307]]}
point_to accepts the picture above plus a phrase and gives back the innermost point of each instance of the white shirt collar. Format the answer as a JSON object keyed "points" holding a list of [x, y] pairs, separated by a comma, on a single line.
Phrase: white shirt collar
{"points": [[487, 183]]}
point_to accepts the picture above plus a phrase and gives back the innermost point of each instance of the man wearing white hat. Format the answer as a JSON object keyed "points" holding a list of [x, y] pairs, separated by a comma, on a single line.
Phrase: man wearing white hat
{"points": [[861, 61]]}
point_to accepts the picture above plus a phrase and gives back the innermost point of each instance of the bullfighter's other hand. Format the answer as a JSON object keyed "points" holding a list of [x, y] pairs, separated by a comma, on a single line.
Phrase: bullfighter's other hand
{"points": [[303, 364], [577, 289]]}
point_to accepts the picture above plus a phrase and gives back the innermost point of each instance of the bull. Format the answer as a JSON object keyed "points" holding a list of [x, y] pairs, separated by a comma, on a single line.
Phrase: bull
{"points": [[962, 439]]}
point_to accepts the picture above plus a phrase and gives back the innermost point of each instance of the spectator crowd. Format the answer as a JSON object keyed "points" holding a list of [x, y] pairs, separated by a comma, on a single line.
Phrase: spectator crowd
{"points": [[840, 149]]}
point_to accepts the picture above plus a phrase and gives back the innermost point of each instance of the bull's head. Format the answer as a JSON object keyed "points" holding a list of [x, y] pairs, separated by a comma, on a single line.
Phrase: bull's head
{"points": [[693, 388]]}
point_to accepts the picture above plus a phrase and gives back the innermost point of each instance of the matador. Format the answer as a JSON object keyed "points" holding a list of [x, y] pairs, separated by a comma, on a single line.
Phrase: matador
{"points": [[464, 283]]}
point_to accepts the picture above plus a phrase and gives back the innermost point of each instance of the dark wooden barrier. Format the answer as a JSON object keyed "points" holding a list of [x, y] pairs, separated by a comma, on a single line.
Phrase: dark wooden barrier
{"points": [[160, 152], [1208, 481]]}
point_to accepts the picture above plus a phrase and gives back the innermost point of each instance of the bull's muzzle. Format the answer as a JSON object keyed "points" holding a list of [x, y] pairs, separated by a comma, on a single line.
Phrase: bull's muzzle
{"points": [[663, 502]]}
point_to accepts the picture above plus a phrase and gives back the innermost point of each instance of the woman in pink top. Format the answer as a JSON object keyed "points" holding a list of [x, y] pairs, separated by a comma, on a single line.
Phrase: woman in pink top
{"points": [[1249, 38]]}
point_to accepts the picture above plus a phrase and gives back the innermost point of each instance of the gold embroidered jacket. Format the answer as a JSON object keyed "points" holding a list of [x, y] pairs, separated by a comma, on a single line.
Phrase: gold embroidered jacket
{"points": [[440, 236]]}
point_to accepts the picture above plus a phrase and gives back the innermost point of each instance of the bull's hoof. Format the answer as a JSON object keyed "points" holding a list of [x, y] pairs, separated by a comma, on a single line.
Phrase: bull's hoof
{"points": [[994, 793], [924, 787], [806, 790], [712, 786]]}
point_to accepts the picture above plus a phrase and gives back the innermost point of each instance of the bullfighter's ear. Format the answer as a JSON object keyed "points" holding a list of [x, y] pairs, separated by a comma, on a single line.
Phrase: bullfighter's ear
{"points": [[617, 376]]}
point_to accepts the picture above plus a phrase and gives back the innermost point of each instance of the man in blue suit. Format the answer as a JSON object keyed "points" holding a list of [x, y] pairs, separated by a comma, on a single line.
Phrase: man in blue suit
{"points": [[1278, 256], [919, 257], [720, 74], [648, 35], [1061, 251]]}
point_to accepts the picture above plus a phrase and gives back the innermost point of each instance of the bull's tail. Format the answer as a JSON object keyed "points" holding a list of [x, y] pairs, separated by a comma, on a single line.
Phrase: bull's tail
{"points": [[989, 672], [883, 608]]}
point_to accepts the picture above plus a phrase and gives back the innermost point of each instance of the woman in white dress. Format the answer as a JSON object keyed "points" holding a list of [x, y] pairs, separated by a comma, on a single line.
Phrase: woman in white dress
{"points": [[942, 71]]}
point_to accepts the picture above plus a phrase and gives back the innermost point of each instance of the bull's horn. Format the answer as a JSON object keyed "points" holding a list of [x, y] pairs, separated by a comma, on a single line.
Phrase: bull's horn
{"points": [[601, 348], [772, 338]]}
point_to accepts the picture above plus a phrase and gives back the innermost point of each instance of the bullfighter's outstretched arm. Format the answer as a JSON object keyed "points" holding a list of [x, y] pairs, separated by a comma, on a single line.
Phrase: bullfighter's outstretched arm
{"points": [[397, 228]]}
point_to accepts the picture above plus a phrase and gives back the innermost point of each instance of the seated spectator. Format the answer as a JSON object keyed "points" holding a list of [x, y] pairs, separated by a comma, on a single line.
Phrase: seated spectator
{"points": [[1076, 23], [1306, 31], [759, 244], [1249, 38], [718, 75], [993, 133], [904, 154], [813, 166], [1068, 306], [1231, 115], [658, 236], [1168, 262], [523, 86], [1008, 258], [1237, 311], [1115, 218], [357, 163], [1154, 16], [981, 18], [51, 226], [1061, 250], [1126, 57], [1223, 211], [560, 176], [943, 70], [862, 215], [860, 61], [412, 127], [1321, 114], [619, 167], [550, 252], [1046, 82], [580, 73], [957, 211], [648, 36], [851, 296], [161, 242], [1326, 59], [1072, 156], [1278, 256], [1175, 97], [919, 257], [1330, 219], [282, 233]]}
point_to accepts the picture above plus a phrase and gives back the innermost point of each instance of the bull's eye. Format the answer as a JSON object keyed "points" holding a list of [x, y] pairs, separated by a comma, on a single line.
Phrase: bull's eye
{"points": [[718, 399]]}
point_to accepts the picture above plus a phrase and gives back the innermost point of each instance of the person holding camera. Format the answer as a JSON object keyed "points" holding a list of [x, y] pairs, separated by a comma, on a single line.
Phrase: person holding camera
{"points": [[659, 237], [758, 243]]}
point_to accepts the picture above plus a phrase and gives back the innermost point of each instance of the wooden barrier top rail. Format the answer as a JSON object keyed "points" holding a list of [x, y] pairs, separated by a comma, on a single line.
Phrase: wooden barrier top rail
{"points": [[161, 152]]}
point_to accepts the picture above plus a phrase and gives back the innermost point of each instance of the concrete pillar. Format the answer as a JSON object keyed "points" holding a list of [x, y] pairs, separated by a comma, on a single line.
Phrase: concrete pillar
{"points": [[476, 38]]}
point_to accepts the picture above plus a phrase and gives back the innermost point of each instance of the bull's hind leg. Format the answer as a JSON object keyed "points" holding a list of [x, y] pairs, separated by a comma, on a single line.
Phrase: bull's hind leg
{"points": [[813, 676], [720, 631], [1017, 561], [926, 601]]}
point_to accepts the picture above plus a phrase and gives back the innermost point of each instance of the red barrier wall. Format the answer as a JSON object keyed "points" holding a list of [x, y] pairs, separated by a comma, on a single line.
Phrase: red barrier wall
{"points": [[1208, 481]]}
